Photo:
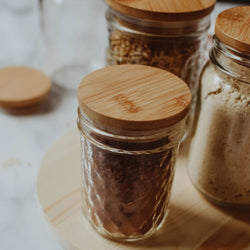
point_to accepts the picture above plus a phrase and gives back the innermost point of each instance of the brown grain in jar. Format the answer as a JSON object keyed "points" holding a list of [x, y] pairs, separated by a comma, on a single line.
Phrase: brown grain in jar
{"points": [[168, 34]]}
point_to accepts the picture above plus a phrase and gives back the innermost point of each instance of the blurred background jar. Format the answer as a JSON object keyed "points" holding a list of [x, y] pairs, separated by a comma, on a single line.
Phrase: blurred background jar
{"points": [[170, 35], [219, 163], [70, 27], [21, 40]]}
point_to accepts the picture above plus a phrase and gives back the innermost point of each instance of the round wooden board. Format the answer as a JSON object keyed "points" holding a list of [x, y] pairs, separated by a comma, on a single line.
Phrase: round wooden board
{"points": [[192, 223]]}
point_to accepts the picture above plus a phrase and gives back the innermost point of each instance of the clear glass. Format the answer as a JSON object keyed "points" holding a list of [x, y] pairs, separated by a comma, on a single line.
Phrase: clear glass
{"points": [[73, 32], [219, 160], [179, 47], [21, 39], [127, 178]]}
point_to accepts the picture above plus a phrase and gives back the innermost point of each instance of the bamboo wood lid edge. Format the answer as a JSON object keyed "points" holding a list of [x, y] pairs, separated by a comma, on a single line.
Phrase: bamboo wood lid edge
{"points": [[22, 86], [134, 97], [164, 10], [233, 28]]}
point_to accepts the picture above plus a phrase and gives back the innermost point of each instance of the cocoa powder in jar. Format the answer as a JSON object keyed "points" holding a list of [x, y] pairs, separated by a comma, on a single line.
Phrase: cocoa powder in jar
{"points": [[127, 193], [131, 119]]}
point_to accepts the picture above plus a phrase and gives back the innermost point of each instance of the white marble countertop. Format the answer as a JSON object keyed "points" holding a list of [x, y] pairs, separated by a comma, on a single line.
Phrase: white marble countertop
{"points": [[26, 135]]}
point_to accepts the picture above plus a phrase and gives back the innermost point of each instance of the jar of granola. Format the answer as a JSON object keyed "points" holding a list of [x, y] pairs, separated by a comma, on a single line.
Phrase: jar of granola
{"points": [[168, 34], [219, 164], [131, 120]]}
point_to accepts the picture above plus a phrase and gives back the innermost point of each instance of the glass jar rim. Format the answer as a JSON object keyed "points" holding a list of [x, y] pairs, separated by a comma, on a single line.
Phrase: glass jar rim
{"points": [[175, 132], [123, 133], [158, 28], [241, 59]]}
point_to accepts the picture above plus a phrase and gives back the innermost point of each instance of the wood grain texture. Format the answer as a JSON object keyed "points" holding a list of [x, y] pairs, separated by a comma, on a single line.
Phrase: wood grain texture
{"points": [[169, 10], [134, 97], [22, 86], [192, 223], [233, 28]]}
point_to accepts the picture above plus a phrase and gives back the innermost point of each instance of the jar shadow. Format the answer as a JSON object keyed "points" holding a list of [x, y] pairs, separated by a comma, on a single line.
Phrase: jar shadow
{"points": [[234, 234], [187, 230], [176, 231], [239, 213]]}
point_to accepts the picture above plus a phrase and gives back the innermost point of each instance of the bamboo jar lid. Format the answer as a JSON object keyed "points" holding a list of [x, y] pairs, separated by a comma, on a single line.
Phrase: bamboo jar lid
{"points": [[22, 86], [164, 10], [233, 28], [134, 97]]}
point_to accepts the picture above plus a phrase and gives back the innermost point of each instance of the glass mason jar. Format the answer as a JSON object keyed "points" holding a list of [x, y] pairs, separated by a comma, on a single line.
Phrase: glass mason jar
{"points": [[21, 37], [73, 46], [175, 39], [219, 161], [128, 161]]}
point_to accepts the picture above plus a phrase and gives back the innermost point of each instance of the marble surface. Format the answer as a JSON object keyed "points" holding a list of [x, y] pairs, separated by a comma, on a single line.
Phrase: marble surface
{"points": [[25, 135]]}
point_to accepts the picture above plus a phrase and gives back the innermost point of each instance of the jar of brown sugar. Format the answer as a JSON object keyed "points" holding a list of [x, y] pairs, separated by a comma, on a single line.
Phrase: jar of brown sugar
{"points": [[131, 120], [219, 164], [168, 34]]}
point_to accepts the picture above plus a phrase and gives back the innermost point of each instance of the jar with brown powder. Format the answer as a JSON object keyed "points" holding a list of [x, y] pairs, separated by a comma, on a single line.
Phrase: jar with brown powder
{"points": [[219, 163], [168, 34], [131, 120]]}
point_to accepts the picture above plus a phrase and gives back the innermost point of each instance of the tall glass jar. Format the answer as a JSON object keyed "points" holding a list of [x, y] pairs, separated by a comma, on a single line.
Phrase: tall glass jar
{"points": [[131, 120], [74, 48], [219, 164], [170, 35]]}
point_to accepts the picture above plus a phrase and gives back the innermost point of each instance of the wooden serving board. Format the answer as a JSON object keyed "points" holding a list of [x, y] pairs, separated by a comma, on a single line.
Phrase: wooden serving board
{"points": [[192, 223]]}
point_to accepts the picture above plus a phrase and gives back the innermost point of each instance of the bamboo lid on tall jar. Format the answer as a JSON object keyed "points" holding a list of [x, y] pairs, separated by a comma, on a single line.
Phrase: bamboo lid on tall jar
{"points": [[164, 10], [134, 97], [233, 28]]}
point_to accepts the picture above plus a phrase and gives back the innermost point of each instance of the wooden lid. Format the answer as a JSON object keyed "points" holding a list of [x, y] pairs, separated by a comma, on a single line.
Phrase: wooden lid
{"points": [[233, 28], [134, 97], [22, 86], [168, 10]]}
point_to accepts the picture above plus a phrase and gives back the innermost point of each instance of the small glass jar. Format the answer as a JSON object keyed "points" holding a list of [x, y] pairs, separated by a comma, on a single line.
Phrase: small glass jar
{"points": [[170, 35], [219, 160], [129, 149]]}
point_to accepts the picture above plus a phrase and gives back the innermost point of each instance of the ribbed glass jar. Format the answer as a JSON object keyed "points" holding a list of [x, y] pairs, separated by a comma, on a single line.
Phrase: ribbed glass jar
{"points": [[127, 178], [219, 163], [132, 119]]}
